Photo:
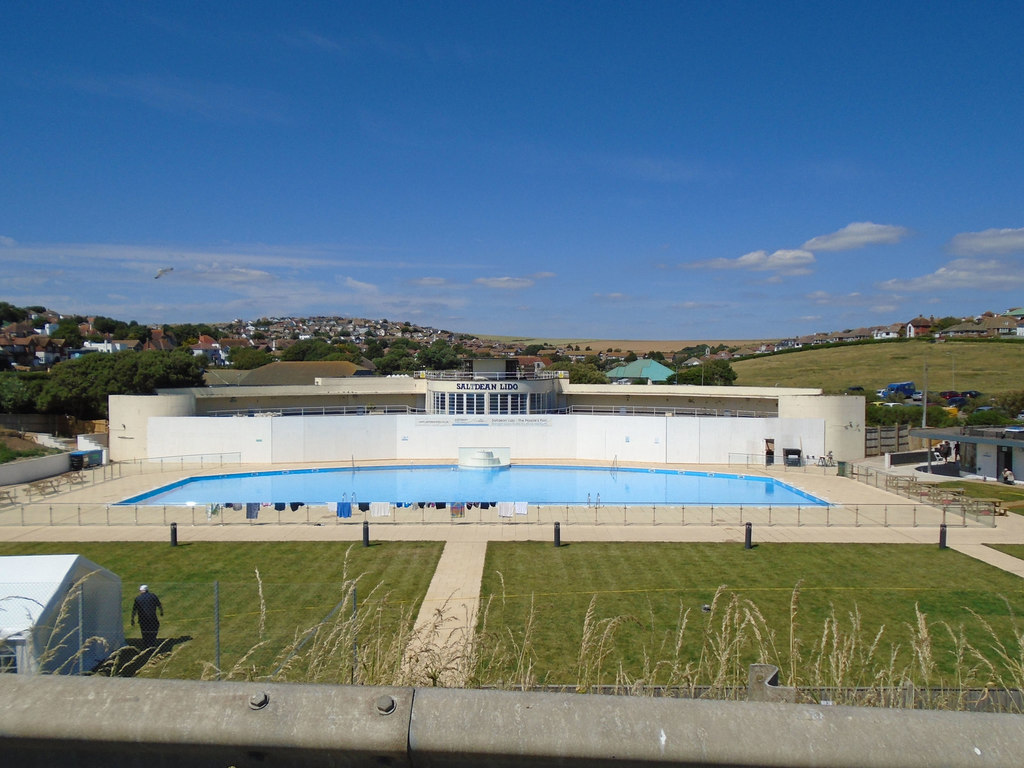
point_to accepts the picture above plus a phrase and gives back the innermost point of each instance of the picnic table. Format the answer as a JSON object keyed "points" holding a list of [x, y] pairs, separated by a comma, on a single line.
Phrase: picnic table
{"points": [[46, 486]]}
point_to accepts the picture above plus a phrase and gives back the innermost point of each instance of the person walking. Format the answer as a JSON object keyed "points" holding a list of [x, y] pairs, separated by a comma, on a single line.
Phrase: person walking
{"points": [[145, 607]]}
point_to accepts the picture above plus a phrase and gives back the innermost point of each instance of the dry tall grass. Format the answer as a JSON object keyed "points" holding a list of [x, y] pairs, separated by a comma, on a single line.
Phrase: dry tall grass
{"points": [[846, 663]]}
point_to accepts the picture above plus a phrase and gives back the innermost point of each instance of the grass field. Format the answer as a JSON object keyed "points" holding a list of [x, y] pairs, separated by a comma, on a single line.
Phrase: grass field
{"points": [[612, 613], [1017, 550], [301, 583], [988, 368]]}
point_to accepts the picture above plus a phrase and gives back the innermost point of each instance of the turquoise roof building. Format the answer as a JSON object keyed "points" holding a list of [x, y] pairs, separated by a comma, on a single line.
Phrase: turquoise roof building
{"points": [[643, 368]]}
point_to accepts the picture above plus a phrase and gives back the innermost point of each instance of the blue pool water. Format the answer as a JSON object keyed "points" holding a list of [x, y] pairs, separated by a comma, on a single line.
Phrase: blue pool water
{"points": [[533, 484]]}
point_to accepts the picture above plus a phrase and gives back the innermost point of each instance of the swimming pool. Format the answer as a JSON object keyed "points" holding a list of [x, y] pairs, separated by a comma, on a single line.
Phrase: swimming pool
{"points": [[529, 483]]}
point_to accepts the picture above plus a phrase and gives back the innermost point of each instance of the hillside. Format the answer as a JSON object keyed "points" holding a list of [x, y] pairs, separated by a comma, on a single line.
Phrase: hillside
{"points": [[988, 367]]}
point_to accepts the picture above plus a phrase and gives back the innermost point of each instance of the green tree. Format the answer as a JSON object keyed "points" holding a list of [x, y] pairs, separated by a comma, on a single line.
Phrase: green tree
{"points": [[630, 358], [11, 314], [80, 387], [533, 349], [439, 356], [67, 329], [1011, 402], [581, 373], [16, 394], [248, 358], [717, 373]]}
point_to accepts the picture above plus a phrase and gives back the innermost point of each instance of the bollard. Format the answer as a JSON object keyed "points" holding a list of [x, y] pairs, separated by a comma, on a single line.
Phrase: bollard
{"points": [[366, 533], [558, 534], [747, 536], [174, 534], [942, 536]]}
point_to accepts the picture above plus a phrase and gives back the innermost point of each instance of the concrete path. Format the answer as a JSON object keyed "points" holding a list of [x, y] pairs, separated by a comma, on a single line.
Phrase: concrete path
{"points": [[440, 652]]}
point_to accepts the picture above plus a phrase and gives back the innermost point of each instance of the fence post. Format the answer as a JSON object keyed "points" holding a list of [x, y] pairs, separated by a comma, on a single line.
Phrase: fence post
{"points": [[216, 626], [942, 536], [366, 533], [558, 534], [748, 535]]}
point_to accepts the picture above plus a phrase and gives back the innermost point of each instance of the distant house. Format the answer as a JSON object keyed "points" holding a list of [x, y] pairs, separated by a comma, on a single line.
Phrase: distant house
{"points": [[160, 340], [112, 345], [532, 364], [883, 332], [209, 346], [919, 326], [643, 368]]}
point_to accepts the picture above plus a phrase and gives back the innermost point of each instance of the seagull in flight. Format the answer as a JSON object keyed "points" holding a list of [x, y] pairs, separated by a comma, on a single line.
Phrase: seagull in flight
{"points": [[161, 272]]}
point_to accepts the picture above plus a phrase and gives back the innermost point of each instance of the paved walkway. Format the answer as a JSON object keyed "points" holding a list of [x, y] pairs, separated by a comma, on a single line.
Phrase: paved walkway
{"points": [[442, 645]]}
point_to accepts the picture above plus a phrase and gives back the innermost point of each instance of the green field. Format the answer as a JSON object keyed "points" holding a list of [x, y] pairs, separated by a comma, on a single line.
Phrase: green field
{"points": [[1017, 550], [302, 582], [648, 624], [990, 368]]}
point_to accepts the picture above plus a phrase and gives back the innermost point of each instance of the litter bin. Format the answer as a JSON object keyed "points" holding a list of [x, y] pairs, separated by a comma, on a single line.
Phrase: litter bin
{"points": [[841, 468]]}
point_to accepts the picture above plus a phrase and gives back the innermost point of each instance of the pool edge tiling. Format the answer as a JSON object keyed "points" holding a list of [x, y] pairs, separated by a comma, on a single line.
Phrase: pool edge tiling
{"points": [[533, 483]]}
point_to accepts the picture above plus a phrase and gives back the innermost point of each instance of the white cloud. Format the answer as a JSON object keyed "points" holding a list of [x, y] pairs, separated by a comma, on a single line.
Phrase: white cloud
{"points": [[7, 242], [359, 286], [962, 274], [988, 241], [853, 299], [430, 282], [505, 283], [857, 235], [784, 262]]}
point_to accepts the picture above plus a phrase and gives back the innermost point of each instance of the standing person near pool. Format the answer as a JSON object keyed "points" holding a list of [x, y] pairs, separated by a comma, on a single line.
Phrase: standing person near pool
{"points": [[145, 607]]}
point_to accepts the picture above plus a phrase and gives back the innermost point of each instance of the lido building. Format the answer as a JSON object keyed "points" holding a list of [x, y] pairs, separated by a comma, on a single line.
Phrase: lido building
{"points": [[536, 415]]}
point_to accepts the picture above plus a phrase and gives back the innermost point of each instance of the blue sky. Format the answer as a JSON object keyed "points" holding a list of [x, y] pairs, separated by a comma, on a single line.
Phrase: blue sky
{"points": [[646, 170]]}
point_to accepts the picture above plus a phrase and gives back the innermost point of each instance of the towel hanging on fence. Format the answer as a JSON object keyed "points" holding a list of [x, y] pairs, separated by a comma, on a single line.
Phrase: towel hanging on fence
{"points": [[521, 507], [344, 509], [252, 510], [380, 509], [506, 509]]}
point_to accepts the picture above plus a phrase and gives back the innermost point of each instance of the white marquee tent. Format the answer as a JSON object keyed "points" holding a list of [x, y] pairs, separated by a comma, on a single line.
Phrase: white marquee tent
{"points": [[51, 606]]}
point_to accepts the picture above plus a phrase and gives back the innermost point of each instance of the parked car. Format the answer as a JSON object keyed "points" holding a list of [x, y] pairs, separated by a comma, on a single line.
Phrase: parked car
{"points": [[971, 393], [918, 396], [947, 394], [986, 408], [956, 402]]}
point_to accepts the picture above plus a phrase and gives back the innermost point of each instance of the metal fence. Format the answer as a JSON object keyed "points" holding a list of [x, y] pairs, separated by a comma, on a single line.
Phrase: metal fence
{"points": [[927, 513]]}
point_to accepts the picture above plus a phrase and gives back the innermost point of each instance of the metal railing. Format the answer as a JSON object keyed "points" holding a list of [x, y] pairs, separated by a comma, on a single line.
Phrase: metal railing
{"points": [[952, 500], [114, 722], [857, 515], [650, 410]]}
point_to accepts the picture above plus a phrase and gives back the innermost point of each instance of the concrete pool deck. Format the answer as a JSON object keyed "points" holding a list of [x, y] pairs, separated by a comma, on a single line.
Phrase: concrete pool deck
{"points": [[451, 603]]}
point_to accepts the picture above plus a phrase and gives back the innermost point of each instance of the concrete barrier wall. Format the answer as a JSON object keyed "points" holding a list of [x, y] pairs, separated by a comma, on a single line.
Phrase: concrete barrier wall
{"points": [[114, 722], [30, 470]]}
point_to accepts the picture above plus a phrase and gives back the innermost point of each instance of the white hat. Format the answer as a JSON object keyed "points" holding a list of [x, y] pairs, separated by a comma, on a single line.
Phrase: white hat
{"points": [[143, 588]]}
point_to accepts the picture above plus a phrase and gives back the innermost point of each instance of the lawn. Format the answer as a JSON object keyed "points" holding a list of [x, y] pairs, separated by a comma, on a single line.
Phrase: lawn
{"points": [[1017, 550], [301, 582], [649, 623], [990, 368]]}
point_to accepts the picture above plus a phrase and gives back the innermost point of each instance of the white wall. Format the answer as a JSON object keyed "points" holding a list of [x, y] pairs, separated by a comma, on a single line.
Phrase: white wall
{"points": [[129, 417], [314, 439]]}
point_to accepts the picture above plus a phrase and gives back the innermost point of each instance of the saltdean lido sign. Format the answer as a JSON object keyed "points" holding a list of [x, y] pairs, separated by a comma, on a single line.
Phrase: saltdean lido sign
{"points": [[501, 386]]}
